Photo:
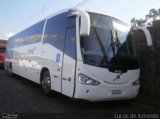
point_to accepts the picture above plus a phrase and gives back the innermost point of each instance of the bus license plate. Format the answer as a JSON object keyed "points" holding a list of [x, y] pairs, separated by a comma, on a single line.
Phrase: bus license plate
{"points": [[116, 92]]}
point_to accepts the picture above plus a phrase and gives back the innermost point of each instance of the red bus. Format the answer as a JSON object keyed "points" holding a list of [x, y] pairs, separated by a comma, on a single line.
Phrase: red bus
{"points": [[2, 52]]}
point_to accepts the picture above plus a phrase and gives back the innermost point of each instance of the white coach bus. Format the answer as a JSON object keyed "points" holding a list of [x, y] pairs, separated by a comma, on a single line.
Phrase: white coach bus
{"points": [[81, 54]]}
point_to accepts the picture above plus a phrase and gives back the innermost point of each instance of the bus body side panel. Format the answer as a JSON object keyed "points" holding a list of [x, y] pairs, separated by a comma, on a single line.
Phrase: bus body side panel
{"points": [[26, 52], [27, 61], [9, 53]]}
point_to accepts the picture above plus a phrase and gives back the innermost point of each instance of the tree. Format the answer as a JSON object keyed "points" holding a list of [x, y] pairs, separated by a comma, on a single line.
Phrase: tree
{"points": [[133, 22], [158, 11], [149, 18], [153, 13]]}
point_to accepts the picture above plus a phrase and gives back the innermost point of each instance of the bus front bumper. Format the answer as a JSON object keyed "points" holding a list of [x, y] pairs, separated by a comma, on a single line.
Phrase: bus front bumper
{"points": [[104, 93]]}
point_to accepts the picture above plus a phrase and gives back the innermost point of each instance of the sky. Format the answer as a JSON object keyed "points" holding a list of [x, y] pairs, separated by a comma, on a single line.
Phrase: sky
{"points": [[16, 15]]}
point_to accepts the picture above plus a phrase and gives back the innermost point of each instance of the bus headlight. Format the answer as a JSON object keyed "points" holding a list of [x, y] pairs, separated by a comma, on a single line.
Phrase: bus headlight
{"points": [[135, 83], [87, 81]]}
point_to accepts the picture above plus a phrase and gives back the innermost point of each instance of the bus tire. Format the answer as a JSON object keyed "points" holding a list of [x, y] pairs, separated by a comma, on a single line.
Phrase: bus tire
{"points": [[46, 82], [10, 70]]}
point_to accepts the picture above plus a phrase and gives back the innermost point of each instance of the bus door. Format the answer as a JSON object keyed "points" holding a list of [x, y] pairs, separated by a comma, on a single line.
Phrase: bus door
{"points": [[69, 62]]}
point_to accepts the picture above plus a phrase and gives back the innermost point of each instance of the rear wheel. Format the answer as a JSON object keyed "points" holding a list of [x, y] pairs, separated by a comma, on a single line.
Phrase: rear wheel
{"points": [[10, 70], [46, 82]]}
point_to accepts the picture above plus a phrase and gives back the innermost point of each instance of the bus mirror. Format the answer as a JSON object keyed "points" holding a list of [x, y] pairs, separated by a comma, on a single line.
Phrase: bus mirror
{"points": [[85, 24], [148, 35], [84, 18]]}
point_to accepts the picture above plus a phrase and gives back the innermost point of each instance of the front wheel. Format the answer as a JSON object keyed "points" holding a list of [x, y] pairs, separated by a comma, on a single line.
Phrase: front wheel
{"points": [[46, 82]]}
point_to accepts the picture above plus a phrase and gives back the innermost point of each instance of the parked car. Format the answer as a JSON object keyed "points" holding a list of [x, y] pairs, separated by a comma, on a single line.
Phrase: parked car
{"points": [[2, 56]]}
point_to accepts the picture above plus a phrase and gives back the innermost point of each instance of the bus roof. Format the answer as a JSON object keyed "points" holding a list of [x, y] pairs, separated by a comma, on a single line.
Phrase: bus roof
{"points": [[66, 10]]}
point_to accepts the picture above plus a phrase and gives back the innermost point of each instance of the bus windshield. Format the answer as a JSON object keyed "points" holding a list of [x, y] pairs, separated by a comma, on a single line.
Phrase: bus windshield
{"points": [[109, 45]]}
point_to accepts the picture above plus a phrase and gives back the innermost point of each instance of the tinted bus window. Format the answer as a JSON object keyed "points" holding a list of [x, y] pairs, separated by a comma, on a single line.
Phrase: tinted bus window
{"points": [[70, 45], [55, 30], [29, 36]]}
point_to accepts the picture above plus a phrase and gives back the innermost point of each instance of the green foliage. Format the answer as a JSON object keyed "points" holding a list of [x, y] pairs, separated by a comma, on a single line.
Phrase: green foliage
{"points": [[149, 18]]}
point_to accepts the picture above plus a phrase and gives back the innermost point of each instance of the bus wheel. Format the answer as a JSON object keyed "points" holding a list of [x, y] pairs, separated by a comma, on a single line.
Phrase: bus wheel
{"points": [[10, 71], [46, 82]]}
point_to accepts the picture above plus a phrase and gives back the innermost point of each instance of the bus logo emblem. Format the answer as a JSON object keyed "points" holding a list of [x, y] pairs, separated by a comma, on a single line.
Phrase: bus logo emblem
{"points": [[118, 76]]}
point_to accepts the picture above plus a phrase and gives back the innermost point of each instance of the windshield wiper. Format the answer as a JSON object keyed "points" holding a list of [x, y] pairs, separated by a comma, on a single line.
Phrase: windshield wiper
{"points": [[118, 43], [111, 48], [114, 42], [100, 43]]}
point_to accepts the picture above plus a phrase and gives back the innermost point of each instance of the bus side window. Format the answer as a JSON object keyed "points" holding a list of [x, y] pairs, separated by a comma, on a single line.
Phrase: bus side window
{"points": [[70, 45], [55, 31]]}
